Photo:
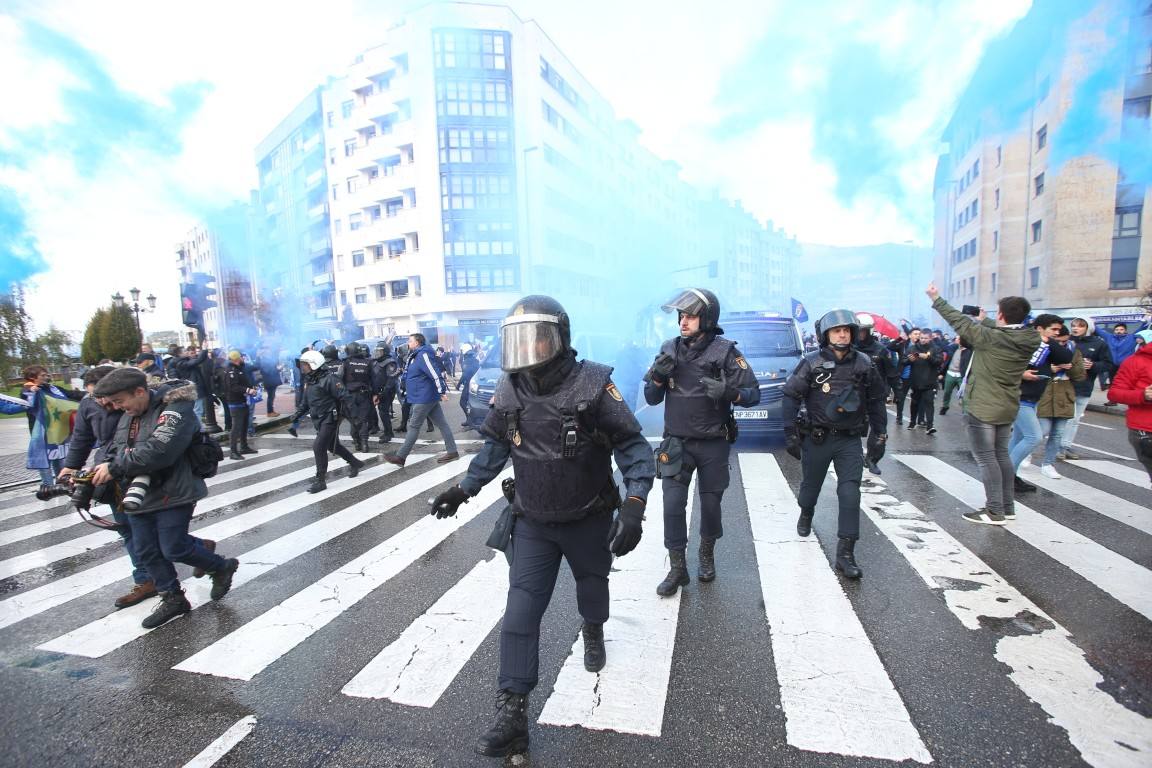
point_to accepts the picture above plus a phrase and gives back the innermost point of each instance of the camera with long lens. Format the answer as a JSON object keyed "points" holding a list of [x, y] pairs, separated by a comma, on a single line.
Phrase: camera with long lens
{"points": [[83, 490], [47, 492]]}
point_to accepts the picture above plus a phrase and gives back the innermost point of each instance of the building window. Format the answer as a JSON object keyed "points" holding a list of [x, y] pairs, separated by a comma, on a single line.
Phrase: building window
{"points": [[337, 226], [472, 98], [357, 258], [395, 248], [374, 213], [470, 49], [999, 155], [331, 119], [465, 191], [995, 240], [381, 291], [349, 147], [340, 262], [1042, 138], [997, 198], [361, 295], [399, 289], [335, 191], [346, 109], [993, 284], [976, 170], [332, 156], [377, 252], [1045, 86], [971, 286], [355, 221], [353, 182], [491, 146], [1037, 230], [1038, 182], [343, 297], [1127, 222], [1034, 277]]}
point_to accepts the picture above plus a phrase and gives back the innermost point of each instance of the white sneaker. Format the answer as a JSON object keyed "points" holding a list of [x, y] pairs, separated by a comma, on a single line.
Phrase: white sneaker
{"points": [[1026, 464], [1050, 472]]}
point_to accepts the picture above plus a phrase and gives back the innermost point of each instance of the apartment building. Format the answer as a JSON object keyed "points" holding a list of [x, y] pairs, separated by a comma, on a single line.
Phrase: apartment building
{"points": [[1024, 205], [222, 247]]}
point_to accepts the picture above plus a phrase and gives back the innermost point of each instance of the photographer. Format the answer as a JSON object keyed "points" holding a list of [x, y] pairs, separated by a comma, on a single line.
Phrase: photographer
{"points": [[152, 437]]}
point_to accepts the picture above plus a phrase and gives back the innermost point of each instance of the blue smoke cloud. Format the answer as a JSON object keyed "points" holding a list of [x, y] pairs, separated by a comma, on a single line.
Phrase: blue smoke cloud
{"points": [[99, 116]]}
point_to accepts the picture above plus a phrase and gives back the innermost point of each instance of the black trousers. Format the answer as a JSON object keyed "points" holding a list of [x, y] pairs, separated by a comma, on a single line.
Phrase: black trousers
{"points": [[899, 394], [537, 549], [327, 440], [923, 406], [238, 432], [711, 460], [846, 455], [360, 411], [384, 413]]}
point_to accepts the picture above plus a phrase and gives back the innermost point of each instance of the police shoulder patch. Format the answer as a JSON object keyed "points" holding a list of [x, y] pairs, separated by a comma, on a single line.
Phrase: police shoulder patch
{"points": [[611, 389], [740, 361]]}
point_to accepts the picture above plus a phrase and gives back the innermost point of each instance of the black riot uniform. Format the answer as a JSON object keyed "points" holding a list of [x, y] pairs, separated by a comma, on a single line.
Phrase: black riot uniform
{"points": [[881, 357], [322, 400], [356, 377], [385, 374], [842, 394], [698, 375], [561, 421]]}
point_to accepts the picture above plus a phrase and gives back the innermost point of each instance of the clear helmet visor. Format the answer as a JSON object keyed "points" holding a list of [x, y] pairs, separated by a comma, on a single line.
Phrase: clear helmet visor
{"points": [[527, 341], [689, 302]]}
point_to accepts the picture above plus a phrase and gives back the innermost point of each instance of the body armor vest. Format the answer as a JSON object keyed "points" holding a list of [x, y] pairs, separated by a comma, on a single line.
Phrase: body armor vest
{"points": [[688, 411], [357, 374], [853, 373], [562, 463]]}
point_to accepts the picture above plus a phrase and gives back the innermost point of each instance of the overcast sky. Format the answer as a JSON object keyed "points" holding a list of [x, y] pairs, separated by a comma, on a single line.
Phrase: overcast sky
{"points": [[823, 116]]}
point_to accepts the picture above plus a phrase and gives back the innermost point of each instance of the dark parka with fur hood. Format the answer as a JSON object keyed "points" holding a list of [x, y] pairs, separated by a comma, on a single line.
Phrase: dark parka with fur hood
{"points": [[166, 430]]}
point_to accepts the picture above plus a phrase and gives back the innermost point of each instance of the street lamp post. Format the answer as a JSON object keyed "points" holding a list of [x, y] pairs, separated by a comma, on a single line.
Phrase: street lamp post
{"points": [[118, 300]]}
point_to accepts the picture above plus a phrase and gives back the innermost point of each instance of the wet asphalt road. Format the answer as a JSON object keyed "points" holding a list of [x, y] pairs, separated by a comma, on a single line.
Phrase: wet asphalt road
{"points": [[724, 704]]}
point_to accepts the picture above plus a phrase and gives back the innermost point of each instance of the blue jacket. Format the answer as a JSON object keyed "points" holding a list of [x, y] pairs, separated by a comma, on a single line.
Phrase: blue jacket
{"points": [[1121, 347], [423, 379]]}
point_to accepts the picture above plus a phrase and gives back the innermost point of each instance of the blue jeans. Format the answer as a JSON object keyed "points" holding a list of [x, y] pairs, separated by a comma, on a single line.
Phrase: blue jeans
{"points": [[49, 474], [139, 572], [1055, 430], [1026, 434], [1073, 424], [161, 538], [421, 412]]}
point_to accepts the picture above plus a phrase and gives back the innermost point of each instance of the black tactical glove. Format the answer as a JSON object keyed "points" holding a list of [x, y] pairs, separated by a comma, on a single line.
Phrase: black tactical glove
{"points": [[446, 504], [792, 443], [876, 446], [625, 532], [718, 389], [662, 367]]}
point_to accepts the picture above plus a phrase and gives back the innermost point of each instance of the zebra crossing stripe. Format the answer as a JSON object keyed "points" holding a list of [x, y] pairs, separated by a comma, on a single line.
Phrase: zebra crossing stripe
{"points": [[630, 693], [1043, 662], [306, 439], [121, 627], [1130, 475], [40, 599], [820, 647], [224, 744], [1101, 502], [419, 665], [247, 651], [19, 510], [1126, 581]]}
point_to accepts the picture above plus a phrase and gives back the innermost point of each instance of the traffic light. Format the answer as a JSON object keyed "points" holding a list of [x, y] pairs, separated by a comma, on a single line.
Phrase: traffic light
{"points": [[190, 301], [207, 297]]}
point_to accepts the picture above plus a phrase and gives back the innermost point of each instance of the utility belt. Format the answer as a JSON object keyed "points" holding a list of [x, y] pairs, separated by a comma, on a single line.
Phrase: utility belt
{"points": [[818, 433]]}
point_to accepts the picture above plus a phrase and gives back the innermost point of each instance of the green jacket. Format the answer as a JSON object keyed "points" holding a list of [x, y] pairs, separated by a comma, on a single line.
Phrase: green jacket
{"points": [[999, 357]]}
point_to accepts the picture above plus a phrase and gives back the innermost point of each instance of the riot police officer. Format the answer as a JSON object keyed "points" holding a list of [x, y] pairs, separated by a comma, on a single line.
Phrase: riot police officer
{"points": [[843, 396], [356, 376], [869, 345], [699, 375], [322, 397], [561, 421], [385, 372]]}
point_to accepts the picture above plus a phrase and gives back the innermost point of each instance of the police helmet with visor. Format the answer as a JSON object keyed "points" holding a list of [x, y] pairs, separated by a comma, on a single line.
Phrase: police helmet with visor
{"points": [[535, 331], [699, 302]]}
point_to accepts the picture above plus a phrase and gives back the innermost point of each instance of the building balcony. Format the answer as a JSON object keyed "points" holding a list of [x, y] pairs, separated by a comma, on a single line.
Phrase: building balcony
{"points": [[403, 134], [324, 313], [324, 280]]}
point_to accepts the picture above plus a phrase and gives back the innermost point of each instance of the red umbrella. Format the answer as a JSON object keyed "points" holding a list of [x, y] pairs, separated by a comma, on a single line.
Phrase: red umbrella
{"points": [[883, 325]]}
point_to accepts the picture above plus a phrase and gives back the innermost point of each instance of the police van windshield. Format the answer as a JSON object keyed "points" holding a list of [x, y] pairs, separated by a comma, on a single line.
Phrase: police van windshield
{"points": [[764, 341]]}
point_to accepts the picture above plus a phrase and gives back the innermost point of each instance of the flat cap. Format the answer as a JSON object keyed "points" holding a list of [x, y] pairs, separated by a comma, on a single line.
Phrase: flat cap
{"points": [[121, 380]]}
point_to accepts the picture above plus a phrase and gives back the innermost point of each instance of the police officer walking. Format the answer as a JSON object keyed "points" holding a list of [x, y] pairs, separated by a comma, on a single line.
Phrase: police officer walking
{"points": [[843, 395], [356, 376], [869, 345], [699, 375], [322, 397], [385, 372], [561, 421]]}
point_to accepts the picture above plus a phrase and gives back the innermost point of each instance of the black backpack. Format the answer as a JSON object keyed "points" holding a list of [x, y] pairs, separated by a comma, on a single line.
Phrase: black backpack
{"points": [[204, 455]]}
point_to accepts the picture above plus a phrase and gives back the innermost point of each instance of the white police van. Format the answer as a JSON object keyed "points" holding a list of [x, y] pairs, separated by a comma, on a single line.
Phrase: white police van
{"points": [[772, 345]]}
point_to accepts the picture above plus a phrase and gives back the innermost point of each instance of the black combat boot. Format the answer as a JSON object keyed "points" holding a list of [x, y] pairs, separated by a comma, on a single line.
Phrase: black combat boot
{"points": [[248, 450], [594, 653], [846, 559], [171, 605], [222, 578], [318, 484], [707, 570], [509, 734], [235, 456], [677, 575], [804, 522]]}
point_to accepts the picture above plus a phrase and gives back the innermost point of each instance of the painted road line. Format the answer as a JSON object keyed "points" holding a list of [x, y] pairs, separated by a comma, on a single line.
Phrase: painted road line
{"points": [[1105, 453], [62, 522], [223, 745], [119, 628], [1121, 510], [1123, 579], [1095, 426], [630, 693], [819, 654], [418, 666], [1042, 659], [82, 544], [20, 510], [247, 651], [1130, 475], [306, 439], [40, 599]]}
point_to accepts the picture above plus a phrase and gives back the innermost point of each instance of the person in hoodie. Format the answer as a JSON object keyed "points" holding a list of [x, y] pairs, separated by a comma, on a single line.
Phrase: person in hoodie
{"points": [[1121, 342], [1049, 359], [924, 357], [991, 391], [1132, 386], [1097, 356], [1057, 405]]}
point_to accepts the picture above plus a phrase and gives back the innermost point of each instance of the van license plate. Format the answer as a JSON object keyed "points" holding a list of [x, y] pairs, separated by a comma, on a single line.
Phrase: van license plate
{"points": [[751, 414]]}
